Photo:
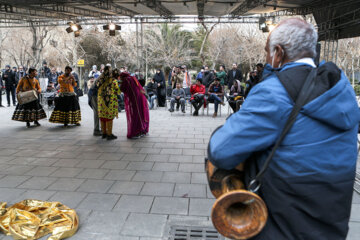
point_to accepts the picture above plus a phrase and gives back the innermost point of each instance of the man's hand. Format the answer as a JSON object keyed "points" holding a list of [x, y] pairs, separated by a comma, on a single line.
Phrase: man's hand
{"points": [[159, 84], [178, 97]]}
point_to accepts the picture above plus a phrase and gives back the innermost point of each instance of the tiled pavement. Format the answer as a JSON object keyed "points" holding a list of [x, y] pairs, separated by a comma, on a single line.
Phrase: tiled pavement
{"points": [[122, 189]]}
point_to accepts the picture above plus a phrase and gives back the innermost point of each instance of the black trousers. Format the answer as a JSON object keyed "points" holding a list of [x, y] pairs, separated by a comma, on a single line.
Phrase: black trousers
{"points": [[197, 103], [10, 90]]}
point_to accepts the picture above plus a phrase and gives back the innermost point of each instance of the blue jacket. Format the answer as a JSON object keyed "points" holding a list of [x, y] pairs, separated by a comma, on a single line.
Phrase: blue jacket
{"points": [[309, 183]]}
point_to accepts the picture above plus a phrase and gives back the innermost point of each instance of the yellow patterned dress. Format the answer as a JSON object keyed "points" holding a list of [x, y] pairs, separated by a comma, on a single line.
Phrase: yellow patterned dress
{"points": [[108, 92], [67, 108]]}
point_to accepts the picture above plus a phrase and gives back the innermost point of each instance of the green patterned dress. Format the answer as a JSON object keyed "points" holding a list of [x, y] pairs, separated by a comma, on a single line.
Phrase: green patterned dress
{"points": [[108, 98]]}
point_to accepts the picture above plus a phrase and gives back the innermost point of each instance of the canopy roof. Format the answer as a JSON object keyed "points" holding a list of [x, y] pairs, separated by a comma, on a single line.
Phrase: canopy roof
{"points": [[341, 17]]}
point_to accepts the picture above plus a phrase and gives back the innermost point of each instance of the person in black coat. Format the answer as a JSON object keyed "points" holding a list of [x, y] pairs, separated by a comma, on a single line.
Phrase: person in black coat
{"points": [[233, 74], [208, 77], [10, 83], [1, 88], [151, 90], [159, 79]]}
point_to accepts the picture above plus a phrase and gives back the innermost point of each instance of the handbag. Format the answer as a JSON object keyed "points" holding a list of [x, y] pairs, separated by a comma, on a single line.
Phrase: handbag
{"points": [[28, 96]]}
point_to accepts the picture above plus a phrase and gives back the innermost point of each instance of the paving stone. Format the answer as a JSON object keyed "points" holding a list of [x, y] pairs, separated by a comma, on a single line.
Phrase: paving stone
{"points": [[148, 176], [90, 163], [200, 206], [71, 155], [176, 177], [165, 167], [183, 218], [37, 183], [181, 159], [355, 212], [354, 231], [134, 157], [111, 156], [171, 151], [170, 205], [66, 184], [12, 181], [128, 150], [115, 165], [97, 201], [140, 166], [157, 158], [199, 178], [45, 154], [194, 152], [20, 160], [143, 145], [41, 171], [36, 194], [8, 152], [105, 222], [70, 199], [96, 186], [10, 195], [190, 190], [146, 225], [139, 204], [199, 159], [66, 172], [15, 169], [191, 167], [44, 162], [67, 163], [158, 189], [123, 187], [24, 153], [93, 173], [120, 175]]}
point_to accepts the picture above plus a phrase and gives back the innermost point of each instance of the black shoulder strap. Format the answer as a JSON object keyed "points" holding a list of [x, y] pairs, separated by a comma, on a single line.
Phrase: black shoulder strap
{"points": [[304, 94]]}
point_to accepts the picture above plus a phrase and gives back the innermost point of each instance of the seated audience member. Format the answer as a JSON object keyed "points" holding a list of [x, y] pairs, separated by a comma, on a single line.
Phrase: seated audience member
{"points": [[178, 97], [50, 89], [216, 93], [151, 90], [236, 95], [197, 98]]}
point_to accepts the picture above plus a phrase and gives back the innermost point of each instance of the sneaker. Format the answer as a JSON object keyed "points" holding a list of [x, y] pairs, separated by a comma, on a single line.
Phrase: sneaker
{"points": [[104, 136], [183, 111], [27, 125], [111, 137], [214, 115], [37, 123], [65, 125], [196, 113], [171, 110]]}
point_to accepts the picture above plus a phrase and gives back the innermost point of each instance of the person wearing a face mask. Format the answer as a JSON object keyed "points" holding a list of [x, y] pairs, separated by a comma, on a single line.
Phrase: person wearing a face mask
{"points": [[208, 77], [20, 74], [307, 183]]}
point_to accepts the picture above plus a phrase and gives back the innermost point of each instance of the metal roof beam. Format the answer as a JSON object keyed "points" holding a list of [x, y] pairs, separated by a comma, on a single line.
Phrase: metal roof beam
{"points": [[26, 12], [201, 6], [247, 6], [157, 7], [111, 7]]}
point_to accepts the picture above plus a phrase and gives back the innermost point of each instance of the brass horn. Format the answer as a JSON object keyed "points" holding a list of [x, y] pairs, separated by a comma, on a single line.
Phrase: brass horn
{"points": [[236, 213]]}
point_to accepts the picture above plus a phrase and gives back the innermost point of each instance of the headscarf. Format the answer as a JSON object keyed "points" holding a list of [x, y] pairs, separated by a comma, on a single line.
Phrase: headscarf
{"points": [[238, 90]]}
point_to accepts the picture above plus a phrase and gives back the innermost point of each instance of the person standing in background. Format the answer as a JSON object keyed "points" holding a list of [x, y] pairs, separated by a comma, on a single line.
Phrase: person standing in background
{"points": [[10, 83]]}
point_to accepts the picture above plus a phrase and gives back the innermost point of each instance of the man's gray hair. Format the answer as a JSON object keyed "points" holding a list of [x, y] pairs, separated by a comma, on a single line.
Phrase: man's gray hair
{"points": [[297, 37]]}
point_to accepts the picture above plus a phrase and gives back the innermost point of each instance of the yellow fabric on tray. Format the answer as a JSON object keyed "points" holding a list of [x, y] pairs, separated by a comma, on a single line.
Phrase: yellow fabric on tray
{"points": [[33, 219]]}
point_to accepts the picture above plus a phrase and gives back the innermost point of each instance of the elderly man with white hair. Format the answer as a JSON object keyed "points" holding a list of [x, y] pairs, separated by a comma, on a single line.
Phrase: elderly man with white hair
{"points": [[308, 183]]}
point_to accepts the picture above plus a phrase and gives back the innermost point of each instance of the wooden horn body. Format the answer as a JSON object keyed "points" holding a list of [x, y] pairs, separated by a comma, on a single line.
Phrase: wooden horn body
{"points": [[236, 213]]}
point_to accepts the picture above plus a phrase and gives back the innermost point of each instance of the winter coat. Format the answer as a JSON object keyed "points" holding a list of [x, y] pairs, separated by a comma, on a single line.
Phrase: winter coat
{"points": [[9, 78], [308, 185]]}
